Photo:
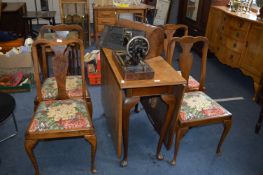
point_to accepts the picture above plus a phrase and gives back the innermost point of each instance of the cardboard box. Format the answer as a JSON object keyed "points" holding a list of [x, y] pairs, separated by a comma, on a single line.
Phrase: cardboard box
{"points": [[21, 62]]}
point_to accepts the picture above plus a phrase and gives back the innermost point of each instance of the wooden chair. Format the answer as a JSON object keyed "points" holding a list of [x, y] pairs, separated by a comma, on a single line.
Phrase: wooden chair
{"points": [[74, 84], [61, 117], [170, 30], [50, 32], [197, 108]]}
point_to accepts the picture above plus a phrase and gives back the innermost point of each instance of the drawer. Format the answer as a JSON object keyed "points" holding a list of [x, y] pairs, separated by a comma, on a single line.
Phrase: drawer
{"points": [[234, 45], [234, 22], [232, 58], [239, 24], [236, 34], [106, 21], [219, 53], [106, 14], [130, 11], [226, 56]]}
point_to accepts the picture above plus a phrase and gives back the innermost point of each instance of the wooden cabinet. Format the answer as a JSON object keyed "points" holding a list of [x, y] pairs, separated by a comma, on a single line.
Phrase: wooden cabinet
{"points": [[108, 15], [237, 40], [12, 17]]}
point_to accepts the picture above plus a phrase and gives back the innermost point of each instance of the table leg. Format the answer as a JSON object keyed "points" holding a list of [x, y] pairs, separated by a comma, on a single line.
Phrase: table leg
{"points": [[30, 27], [53, 21], [128, 104], [170, 101]]}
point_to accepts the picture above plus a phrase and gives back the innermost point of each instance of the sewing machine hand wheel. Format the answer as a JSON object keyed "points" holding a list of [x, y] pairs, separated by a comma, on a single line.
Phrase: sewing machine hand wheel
{"points": [[137, 48]]}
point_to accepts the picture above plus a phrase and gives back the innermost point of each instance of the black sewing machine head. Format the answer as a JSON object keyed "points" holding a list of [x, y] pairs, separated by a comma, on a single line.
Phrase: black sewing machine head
{"points": [[130, 47]]}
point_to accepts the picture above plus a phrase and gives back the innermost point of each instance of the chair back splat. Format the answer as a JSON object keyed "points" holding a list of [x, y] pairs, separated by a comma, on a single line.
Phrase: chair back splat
{"points": [[186, 57], [170, 30]]}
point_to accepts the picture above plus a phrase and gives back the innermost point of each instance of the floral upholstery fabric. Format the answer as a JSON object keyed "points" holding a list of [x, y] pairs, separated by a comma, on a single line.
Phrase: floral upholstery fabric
{"points": [[60, 115], [193, 84], [73, 87], [197, 105]]}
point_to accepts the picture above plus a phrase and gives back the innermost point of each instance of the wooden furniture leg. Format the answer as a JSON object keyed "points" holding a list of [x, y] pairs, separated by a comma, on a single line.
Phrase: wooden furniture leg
{"points": [[260, 119], [128, 103], [170, 101], [180, 132], [44, 62], [93, 142], [227, 126], [137, 108], [29, 146]]}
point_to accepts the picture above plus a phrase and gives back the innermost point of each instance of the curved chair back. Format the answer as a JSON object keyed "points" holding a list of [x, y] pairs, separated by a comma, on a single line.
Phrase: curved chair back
{"points": [[186, 57], [59, 64], [170, 30]]}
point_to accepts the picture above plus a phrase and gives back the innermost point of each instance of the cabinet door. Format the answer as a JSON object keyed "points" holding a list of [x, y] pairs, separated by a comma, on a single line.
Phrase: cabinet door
{"points": [[252, 60], [212, 29]]}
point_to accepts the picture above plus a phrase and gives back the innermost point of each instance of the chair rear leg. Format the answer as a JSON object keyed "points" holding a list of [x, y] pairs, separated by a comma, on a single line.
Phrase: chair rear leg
{"points": [[29, 146], [180, 132], [93, 142], [90, 108], [260, 119], [227, 126]]}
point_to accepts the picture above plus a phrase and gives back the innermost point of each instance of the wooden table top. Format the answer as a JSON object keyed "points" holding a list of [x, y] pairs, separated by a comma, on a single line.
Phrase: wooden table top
{"points": [[13, 6], [164, 73], [130, 7], [246, 16]]}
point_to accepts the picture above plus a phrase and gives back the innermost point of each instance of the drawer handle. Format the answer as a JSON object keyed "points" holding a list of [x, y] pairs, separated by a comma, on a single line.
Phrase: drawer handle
{"points": [[234, 45]]}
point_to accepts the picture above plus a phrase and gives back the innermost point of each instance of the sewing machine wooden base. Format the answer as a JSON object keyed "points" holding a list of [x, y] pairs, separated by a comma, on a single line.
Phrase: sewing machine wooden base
{"points": [[142, 71]]}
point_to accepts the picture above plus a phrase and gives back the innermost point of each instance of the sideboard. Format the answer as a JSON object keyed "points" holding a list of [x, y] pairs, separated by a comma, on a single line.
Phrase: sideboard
{"points": [[236, 39], [108, 15]]}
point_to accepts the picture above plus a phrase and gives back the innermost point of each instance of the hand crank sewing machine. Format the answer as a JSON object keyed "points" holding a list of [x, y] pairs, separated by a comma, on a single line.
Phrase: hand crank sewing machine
{"points": [[130, 47]]}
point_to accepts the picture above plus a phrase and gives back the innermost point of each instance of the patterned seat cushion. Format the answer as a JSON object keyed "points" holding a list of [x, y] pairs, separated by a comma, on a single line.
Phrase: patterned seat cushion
{"points": [[193, 84], [197, 105], [60, 115], [73, 87]]}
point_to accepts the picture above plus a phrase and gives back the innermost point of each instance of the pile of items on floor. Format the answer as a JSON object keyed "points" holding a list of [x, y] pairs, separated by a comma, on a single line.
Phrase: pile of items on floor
{"points": [[16, 66]]}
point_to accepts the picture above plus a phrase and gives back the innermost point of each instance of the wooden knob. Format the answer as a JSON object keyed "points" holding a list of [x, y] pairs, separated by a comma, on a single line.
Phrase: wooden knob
{"points": [[234, 45]]}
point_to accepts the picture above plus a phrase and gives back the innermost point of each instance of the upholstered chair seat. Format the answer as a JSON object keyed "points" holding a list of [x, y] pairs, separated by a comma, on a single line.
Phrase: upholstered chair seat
{"points": [[198, 106], [61, 115], [193, 84]]}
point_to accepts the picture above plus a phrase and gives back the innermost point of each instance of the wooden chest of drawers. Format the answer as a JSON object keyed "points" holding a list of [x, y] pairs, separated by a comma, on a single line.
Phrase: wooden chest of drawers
{"points": [[108, 15], [237, 40]]}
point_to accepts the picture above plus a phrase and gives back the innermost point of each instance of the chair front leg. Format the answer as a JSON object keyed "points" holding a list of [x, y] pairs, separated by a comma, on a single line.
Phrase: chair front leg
{"points": [[179, 132], [93, 142], [227, 126], [260, 119], [29, 146]]}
